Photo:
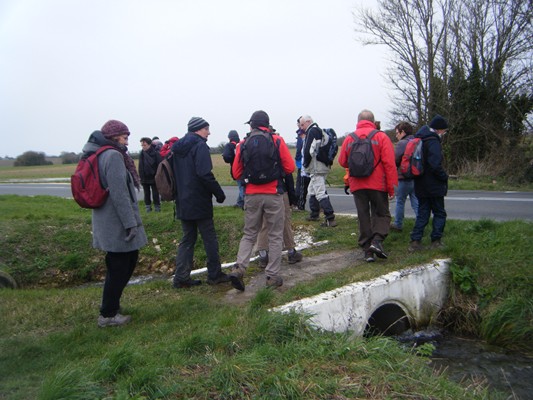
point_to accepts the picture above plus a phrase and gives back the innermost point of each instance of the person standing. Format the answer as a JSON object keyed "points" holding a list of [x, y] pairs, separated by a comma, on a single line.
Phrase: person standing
{"points": [[406, 187], [228, 155], [265, 157], [370, 193], [195, 186], [149, 159], [432, 186], [318, 172], [116, 226]]}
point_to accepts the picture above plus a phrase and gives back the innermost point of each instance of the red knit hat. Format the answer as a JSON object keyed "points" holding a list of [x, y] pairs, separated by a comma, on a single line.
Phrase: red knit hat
{"points": [[114, 128]]}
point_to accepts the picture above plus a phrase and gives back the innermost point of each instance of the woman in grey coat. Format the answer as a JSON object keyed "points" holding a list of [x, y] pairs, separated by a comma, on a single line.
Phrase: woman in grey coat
{"points": [[117, 226]]}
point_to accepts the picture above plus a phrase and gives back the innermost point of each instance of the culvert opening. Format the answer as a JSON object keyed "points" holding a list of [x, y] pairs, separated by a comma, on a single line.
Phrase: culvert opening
{"points": [[387, 320]]}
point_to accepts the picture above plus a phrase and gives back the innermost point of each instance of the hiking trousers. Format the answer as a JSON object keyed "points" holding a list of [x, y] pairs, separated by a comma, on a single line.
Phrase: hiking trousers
{"points": [[288, 234], [373, 215], [318, 197]]}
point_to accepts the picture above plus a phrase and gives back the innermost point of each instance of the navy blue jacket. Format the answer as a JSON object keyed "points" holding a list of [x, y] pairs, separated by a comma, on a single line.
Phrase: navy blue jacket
{"points": [[195, 181], [434, 181]]}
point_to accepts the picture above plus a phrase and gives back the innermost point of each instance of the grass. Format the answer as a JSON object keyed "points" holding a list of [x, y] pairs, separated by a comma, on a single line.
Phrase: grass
{"points": [[191, 344]]}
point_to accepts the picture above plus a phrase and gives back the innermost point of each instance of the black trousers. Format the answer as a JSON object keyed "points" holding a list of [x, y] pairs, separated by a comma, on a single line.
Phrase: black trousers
{"points": [[120, 267], [147, 187]]}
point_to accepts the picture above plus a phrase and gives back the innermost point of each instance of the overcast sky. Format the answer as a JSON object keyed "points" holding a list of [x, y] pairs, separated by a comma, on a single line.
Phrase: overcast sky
{"points": [[68, 66]]}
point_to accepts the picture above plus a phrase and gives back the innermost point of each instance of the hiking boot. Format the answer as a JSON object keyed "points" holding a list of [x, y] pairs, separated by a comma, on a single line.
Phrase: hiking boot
{"points": [[263, 258], [236, 277], [157, 208], [148, 209], [294, 256], [117, 320], [186, 284], [369, 256], [329, 223], [376, 247], [221, 278], [437, 244], [415, 245], [274, 281], [395, 228], [311, 218]]}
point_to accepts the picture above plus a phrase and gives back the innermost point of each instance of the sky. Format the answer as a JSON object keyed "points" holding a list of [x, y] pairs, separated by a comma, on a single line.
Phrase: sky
{"points": [[68, 66]]}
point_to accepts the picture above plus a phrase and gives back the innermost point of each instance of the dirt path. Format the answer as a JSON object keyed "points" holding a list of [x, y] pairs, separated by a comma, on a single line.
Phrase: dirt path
{"points": [[306, 270]]}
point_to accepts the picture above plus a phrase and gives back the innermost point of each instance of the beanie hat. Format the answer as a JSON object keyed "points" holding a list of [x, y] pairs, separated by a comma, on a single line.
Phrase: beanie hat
{"points": [[114, 128], [438, 122], [197, 123], [233, 136], [259, 118]]}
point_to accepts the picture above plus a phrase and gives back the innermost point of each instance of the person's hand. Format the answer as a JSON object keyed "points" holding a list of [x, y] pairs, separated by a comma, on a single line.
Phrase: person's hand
{"points": [[131, 233], [347, 189], [221, 198]]}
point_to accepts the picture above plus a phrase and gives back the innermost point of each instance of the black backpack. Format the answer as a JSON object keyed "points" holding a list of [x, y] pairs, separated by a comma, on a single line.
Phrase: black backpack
{"points": [[328, 147], [361, 158], [261, 159]]}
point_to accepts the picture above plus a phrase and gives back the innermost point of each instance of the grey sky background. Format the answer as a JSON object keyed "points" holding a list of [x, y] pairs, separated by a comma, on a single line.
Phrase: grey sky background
{"points": [[68, 66]]}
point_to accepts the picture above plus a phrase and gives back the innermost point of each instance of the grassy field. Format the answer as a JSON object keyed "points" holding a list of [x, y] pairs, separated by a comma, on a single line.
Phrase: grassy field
{"points": [[191, 344]]}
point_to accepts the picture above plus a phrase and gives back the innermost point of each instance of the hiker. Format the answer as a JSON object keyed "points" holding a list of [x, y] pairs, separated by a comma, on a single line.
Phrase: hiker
{"points": [[117, 228], [195, 187], [263, 200], [289, 199], [318, 173], [228, 154], [302, 178], [370, 192], [431, 186], [149, 159], [165, 149], [406, 186]]}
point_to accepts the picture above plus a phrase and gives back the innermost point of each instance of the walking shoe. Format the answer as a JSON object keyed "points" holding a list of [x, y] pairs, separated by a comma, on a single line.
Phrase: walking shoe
{"points": [[294, 256], [221, 278], [395, 228], [369, 256], [148, 209], [437, 244], [157, 208], [329, 223], [236, 276], [415, 245], [117, 320], [310, 218], [376, 247], [263, 258], [186, 284], [274, 281]]}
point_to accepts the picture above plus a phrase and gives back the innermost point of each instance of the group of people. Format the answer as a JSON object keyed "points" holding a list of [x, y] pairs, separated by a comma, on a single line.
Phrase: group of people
{"points": [[263, 165]]}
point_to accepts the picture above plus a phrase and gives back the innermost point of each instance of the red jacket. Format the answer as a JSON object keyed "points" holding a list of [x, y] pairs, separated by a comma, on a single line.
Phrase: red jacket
{"points": [[385, 176], [287, 164]]}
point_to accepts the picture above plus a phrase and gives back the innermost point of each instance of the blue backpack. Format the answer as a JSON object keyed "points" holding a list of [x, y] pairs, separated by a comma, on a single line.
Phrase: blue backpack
{"points": [[328, 147]]}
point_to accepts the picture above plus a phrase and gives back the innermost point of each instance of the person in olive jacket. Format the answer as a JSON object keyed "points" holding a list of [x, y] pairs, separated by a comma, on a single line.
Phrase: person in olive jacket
{"points": [[431, 186], [149, 159], [195, 186]]}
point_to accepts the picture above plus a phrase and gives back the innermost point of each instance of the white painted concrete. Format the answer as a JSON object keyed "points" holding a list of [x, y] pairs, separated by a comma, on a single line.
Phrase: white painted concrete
{"points": [[420, 292]]}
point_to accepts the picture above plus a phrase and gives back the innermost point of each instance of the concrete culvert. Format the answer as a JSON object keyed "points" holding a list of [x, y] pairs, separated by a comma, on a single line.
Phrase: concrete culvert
{"points": [[7, 281], [387, 320]]}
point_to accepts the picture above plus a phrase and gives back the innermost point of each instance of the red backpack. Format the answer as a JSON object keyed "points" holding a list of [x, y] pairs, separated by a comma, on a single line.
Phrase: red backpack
{"points": [[85, 184], [412, 164]]}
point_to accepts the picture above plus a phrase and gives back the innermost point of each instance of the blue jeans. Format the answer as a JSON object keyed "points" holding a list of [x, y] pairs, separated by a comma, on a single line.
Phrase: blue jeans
{"points": [[406, 187], [240, 199], [426, 206]]}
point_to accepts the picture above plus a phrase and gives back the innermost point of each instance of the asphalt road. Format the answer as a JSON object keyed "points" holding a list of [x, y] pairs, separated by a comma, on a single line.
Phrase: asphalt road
{"points": [[466, 205]]}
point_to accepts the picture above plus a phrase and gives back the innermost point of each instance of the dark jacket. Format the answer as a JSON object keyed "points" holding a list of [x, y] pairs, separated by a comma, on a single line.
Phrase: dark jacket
{"points": [[434, 181], [299, 145], [195, 181], [148, 162], [312, 142]]}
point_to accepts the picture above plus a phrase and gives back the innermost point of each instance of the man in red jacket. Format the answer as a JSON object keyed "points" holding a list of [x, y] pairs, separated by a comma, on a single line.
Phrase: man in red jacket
{"points": [[370, 193], [263, 200]]}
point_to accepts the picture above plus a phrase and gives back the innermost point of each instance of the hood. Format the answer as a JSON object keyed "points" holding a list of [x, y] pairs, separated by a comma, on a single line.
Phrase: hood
{"points": [[365, 124], [95, 141], [183, 146], [426, 132]]}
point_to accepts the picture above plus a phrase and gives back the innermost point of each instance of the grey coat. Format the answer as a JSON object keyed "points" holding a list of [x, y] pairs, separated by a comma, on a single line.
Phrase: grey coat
{"points": [[120, 211]]}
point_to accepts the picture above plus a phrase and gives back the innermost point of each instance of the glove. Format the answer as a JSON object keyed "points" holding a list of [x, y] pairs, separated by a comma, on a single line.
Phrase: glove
{"points": [[220, 199], [347, 189], [132, 232]]}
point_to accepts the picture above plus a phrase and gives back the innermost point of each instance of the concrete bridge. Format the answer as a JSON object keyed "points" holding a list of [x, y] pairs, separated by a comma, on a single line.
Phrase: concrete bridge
{"points": [[389, 305]]}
